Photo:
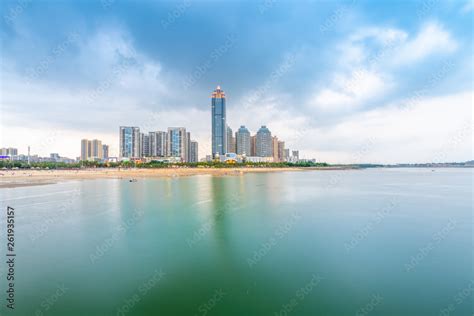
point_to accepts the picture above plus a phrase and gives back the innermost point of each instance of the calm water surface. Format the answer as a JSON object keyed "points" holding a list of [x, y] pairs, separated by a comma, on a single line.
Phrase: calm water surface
{"points": [[369, 242]]}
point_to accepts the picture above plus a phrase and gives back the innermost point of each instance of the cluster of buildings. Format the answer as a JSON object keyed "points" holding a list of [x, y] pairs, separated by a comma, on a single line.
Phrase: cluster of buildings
{"points": [[11, 154], [261, 147], [174, 145], [94, 150]]}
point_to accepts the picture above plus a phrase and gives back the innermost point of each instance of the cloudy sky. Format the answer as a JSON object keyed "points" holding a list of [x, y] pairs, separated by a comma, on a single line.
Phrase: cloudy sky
{"points": [[356, 81]]}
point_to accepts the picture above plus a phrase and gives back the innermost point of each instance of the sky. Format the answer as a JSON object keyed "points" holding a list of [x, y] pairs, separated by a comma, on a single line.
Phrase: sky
{"points": [[343, 82]]}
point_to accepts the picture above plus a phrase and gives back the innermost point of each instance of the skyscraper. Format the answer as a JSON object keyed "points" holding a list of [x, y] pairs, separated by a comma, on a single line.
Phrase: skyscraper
{"points": [[230, 141], [242, 140], [129, 146], [263, 143], [219, 126], [177, 141], [158, 145], [194, 151]]}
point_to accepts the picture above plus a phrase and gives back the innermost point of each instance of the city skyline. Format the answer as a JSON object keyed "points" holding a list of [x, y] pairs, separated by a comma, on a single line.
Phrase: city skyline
{"points": [[342, 83]]}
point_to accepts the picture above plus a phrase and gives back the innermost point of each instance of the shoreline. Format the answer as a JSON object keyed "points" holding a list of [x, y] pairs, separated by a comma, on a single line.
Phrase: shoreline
{"points": [[23, 178]]}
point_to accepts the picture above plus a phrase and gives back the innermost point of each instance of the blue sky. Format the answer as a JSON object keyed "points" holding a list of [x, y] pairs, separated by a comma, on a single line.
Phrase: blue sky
{"points": [[353, 81]]}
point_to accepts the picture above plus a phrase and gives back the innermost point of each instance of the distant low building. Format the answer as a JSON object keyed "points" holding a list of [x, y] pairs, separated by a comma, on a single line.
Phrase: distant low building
{"points": [[258, 159]]}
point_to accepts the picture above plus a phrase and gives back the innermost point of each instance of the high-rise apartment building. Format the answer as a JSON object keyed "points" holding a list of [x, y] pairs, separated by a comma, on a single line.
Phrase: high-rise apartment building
{"points": [[242, 140], [230, 141], [96, 149], [194, 151], [253, 145], [263, 143], [275, 149], [145, 145], [281, 151], [9, 151], [105, 151], [92, 149], [177, 142], [85, 149], [158, 141], [188, 146], [219, 126], [129, 146]]}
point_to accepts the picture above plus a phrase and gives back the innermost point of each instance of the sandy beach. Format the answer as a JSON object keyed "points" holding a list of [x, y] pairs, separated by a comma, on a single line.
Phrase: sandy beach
{"points": [[20, 178]]}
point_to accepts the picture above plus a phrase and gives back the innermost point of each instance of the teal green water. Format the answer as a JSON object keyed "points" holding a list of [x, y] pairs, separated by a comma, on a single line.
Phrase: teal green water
{"points": [[367, 242]]}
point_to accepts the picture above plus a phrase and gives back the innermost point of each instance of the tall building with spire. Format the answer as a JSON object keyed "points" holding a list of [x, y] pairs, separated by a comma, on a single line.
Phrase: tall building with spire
{"points": [[219, 125]]}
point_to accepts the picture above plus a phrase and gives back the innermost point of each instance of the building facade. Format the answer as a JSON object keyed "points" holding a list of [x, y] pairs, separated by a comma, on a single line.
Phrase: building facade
{"points": [[253, 145], [105, 151], [92, 149], [177, 142], [281, 151], [264, 143], [194, 151], [158, 141], [242, 140], [219, 126], [9, 152], [145, 145], [129, 145], [230, 141], [275, 148]]}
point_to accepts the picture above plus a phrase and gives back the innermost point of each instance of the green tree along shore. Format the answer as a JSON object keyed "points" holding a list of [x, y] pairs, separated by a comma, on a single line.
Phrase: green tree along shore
{"points": [[131, 164]]}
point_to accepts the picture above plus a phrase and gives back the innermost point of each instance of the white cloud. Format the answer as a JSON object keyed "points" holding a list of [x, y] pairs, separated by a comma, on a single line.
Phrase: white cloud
{"points": [[350, 92], [468, 7], [432, 39], [435, 129]]}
